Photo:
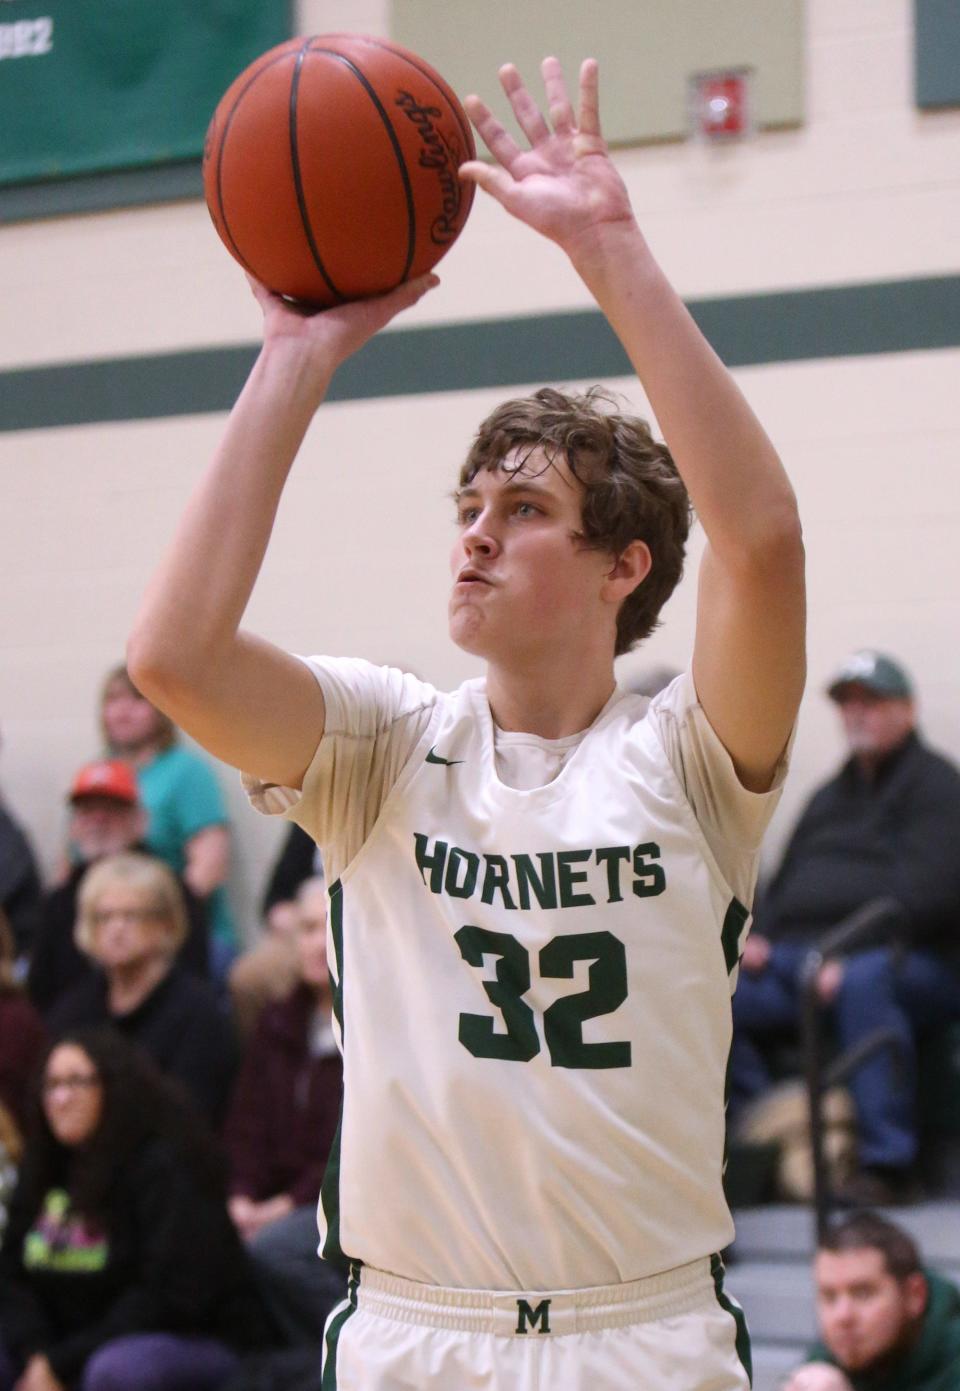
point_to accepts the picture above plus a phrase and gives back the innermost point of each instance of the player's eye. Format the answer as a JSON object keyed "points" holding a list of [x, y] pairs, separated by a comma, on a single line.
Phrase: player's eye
{"points": [[466, 516], [527, 509]]}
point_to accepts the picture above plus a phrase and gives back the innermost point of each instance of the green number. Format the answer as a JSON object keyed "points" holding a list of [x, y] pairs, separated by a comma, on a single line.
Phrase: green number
{"points": [[520, 1043], [563, 1020]]}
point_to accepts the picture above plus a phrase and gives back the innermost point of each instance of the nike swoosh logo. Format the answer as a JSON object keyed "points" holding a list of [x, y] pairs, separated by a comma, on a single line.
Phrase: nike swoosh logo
{"points": [[435, 758]]}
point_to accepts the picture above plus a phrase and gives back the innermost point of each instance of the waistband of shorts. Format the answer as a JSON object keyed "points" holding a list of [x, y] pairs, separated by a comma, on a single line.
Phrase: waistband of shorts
{"points": [[519, 1313]]}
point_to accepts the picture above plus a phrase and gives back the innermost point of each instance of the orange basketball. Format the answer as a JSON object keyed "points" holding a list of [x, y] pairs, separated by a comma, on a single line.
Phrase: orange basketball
{"points": [[330, 167]]}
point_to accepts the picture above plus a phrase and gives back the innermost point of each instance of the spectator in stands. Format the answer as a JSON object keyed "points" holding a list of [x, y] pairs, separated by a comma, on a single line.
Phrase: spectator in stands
{"points": [[19, 882], [187, 823], [299, 860], [886, 1323], [281, 1126], [886, 826], [120, 1266], [105, 818], [22, 1035], [269, 970], [132, 923]]}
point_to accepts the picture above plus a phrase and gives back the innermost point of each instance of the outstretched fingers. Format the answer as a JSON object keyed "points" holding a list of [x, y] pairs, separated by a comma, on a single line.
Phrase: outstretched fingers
{"points": [[498, 141], [528, 114], [590, 97], [558, 100]]}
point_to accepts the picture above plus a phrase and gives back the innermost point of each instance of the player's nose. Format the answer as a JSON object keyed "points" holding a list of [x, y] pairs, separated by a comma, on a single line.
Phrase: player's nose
{"points": [[480, 538]]}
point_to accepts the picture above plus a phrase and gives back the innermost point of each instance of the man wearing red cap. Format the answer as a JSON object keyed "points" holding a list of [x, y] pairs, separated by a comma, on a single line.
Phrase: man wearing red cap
{"points": [[106, 817]]}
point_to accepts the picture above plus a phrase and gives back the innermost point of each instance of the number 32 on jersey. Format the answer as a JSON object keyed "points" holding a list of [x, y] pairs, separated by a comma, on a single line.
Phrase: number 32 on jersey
{"points": [[563, 1020]]}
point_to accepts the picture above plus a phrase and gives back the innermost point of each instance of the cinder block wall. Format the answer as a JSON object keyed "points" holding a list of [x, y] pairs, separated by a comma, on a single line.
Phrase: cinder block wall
{"points": [[867, 190]]}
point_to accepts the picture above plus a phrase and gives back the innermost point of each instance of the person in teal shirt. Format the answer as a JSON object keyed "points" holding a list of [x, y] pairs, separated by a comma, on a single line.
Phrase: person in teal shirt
{"points": [[187, 823], [886, 1323]]}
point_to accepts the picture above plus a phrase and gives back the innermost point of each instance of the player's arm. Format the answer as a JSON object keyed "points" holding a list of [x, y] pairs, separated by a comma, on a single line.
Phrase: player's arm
{"points": [[247, 701], [749, 661]]}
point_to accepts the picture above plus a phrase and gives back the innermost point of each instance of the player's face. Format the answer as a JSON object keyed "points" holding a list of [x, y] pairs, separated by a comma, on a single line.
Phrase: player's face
{"points": [[522, 582], [864, 1311]]}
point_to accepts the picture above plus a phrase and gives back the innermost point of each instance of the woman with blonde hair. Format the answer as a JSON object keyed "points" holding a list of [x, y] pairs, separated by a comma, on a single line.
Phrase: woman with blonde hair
{"points": [[131, 923]]}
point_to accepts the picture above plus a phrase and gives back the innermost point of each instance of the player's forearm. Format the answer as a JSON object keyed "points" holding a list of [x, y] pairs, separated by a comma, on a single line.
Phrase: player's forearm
{"points": [[736, 482], [190, 614]]}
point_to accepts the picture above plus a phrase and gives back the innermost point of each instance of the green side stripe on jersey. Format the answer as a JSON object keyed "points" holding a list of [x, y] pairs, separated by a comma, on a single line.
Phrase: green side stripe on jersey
{"points": [[330, 1188], [736, 916], [336, 931], [736, 1313], [328, 1380]]}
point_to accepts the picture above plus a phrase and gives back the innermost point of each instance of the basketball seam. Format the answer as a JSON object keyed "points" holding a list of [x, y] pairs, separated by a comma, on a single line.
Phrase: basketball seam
{"points": [[446, 92], [220, 152], [398, 152], [298, 179]]}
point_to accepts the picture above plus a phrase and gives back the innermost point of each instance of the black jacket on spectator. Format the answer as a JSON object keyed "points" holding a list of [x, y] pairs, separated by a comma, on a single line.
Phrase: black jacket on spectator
{"points": [[173, 1262], [57, 963], [896, 835], [181, 1025], [296, 862], [19, 882]]}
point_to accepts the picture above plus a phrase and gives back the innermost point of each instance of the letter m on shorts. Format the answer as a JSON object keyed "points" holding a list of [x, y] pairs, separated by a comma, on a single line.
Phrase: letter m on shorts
{"points": [[538, 1318]]}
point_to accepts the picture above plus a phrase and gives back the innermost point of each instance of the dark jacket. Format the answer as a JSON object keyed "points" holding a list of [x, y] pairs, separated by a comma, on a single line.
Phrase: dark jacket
{"points": [[933, 1363], [285, 1107], [22, 1041], [298, 860], [181, 1025], [19, 882], [894, 836], [166, 1258], [57, 963]]}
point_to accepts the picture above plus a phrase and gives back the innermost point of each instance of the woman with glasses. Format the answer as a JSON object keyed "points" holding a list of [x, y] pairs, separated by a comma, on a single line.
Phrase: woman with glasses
{"points": [[131, 922], [120, 1266]]}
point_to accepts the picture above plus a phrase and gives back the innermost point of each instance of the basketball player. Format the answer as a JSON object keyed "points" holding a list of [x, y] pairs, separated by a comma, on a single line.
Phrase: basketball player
{"points": [[538, 883]]}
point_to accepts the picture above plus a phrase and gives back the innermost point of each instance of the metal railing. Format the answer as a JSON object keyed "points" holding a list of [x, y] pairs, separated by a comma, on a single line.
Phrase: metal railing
{"points": [[877, 923]]}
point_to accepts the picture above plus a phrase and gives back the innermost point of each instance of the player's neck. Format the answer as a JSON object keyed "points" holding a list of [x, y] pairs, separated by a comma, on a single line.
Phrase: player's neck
{"points": [[551, 704]]}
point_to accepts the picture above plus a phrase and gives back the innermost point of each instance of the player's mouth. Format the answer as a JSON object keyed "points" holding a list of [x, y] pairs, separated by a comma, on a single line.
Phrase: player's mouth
{"points": [[470, 577]]}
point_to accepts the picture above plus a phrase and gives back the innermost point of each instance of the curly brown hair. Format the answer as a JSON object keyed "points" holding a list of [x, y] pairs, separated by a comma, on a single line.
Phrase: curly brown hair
{"points": [[632, 489]]}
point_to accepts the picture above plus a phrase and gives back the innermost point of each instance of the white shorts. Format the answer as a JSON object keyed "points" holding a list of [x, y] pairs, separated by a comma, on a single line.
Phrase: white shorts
{"points": [[672, 1332]]}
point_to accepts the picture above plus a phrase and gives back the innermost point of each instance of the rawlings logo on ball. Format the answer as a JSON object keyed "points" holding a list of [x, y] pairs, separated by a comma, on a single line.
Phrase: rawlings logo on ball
{"points": [[440, 154], [327, 178]]}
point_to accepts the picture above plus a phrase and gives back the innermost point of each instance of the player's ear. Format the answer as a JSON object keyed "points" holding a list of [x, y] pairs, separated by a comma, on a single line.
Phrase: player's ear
{"points": [[629, 569], [915, 1294]]}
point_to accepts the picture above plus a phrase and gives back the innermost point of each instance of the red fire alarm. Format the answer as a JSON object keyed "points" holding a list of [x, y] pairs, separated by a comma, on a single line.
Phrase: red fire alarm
{"points": [[720, 106]]}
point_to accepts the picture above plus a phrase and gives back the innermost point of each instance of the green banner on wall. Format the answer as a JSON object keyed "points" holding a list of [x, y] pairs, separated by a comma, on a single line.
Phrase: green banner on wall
{"points": [[94, 85]]}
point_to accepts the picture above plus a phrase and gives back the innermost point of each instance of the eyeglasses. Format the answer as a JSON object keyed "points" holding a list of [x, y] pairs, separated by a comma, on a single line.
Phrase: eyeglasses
{"points": [[101, 917], [73, 1082]]}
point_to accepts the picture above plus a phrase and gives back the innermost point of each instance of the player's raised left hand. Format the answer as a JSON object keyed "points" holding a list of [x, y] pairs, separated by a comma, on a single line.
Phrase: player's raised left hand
{"points": [[565, 185]]}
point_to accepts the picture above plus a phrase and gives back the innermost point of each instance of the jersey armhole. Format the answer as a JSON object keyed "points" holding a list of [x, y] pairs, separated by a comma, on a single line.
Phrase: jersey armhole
{"points": [[405, 777]]}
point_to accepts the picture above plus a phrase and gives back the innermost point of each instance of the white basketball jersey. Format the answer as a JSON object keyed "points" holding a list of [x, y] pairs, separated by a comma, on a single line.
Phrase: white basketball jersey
{"points": [[533, 995]]}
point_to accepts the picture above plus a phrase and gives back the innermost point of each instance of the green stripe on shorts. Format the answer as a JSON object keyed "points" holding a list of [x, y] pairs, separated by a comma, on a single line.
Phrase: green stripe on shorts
{"points": [[736, 1313], [328, 1378]]}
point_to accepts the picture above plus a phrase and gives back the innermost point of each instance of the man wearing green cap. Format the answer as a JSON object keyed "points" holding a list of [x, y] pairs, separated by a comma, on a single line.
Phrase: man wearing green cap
{"points": [[886, 826]]}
